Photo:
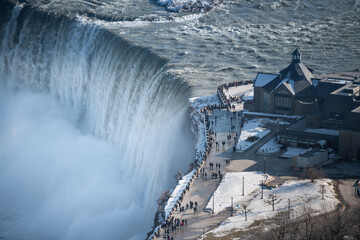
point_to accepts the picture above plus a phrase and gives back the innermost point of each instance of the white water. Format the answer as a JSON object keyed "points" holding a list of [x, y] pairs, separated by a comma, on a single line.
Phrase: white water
{"points": [[93, 130]]}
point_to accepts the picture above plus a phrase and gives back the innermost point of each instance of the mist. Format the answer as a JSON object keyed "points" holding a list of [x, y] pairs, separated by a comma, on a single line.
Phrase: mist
{"points": [[57, 182]]}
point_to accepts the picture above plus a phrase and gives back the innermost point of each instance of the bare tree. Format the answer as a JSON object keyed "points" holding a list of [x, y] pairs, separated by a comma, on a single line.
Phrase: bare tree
{"points": [[245, 210], [313, 173], [191, 167], [178, 175], [283, 228], [322, 191], [272, 200], [307, 231], [164, 196]]}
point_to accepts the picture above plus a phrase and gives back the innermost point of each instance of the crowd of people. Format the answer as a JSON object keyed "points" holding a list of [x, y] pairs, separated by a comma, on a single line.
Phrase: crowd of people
{"points": [[171, 224], [227, 101]]}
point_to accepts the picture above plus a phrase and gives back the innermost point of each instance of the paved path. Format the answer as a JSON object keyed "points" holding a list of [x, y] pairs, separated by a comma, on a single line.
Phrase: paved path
{"points": [[202, 188], [347, 190]]}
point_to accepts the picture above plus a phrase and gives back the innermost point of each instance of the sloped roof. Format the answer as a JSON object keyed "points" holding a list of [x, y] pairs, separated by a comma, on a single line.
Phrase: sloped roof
{"points": [[296, 52], [296, 77], [264, 78]]}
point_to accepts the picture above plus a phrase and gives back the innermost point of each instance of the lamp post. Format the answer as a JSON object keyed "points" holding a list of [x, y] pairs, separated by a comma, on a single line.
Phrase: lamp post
{"points": [[243, 185], [213, 204], [264, 165]]}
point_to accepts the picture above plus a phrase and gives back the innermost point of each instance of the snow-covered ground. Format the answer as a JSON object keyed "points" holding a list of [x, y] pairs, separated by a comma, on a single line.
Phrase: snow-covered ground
{"points": [[253, 127], [238, 90], [200, 102], [199, 130], [231, 186], [179, 189], [271, 147], [323, 131], [293, 151], [301, 194], [248, 96]]}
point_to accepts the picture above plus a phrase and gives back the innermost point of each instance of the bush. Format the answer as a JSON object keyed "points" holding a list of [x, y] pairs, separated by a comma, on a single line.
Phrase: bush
{"points": [[252, 138]]}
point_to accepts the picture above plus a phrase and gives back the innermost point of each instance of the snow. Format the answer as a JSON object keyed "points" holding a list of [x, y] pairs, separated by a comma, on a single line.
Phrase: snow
{"points": [[322, 142], [293, 151], [292, 84], [238, 90], [272, 115], [231, 186], [271, 147], [323, 131], [301, 194], [249, 96], [179, 189], [263, 78], [252, 127], [199, 102]]}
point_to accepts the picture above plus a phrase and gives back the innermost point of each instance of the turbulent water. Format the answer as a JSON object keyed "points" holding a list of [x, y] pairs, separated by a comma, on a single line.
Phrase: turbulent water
{"points": [[94, 98], [93, 129]]}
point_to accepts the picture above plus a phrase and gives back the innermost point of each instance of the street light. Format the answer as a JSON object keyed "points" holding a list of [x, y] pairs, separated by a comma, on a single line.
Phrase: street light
{"points": [[264, 165], [243, 186]]}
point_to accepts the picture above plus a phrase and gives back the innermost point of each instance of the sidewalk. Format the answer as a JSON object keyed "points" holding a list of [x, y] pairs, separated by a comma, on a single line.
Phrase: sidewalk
{"points": [[202, 188]]}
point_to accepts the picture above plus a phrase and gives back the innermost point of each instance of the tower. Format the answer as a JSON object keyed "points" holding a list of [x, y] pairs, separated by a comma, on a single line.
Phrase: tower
{"points": [[296, 56]]}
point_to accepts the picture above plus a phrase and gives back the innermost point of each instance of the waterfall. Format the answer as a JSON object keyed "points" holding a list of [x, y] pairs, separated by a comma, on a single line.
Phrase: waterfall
{"points": [[118, 95]]}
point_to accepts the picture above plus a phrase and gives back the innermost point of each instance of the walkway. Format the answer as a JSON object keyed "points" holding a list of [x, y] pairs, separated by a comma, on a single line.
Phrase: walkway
{"points": [[202, 188]]}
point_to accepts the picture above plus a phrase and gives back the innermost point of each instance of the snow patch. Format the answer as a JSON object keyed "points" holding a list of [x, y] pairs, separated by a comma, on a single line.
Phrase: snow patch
{"points": [[293, 151], [252, 128], [231, 186], [301, 194], [271, 147]]}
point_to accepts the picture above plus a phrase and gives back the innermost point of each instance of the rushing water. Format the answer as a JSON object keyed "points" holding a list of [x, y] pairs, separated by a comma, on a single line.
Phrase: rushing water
{"points": [[94, 98], [93, 129]]}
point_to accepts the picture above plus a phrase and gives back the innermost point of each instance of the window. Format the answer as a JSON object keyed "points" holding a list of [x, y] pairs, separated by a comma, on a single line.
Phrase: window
{"points": [[282, 102]]}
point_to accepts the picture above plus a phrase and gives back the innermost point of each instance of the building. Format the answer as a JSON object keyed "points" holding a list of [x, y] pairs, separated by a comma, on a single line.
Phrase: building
{"points": [[330, 104], [312, 158], [289, 92]]}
